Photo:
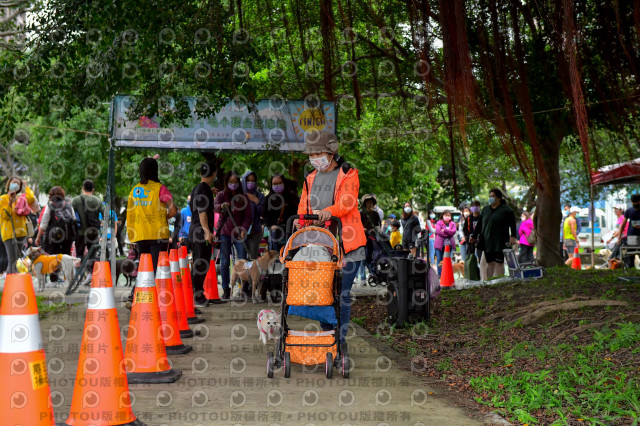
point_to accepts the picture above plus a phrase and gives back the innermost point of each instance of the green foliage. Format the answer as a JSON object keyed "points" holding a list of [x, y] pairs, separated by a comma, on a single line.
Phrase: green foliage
{"points": [[584, 381], [359, 320]]}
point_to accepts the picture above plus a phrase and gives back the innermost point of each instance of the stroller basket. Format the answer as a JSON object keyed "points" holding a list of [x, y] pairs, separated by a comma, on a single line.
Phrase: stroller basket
{"points": [[310, 283], [310, 347]]}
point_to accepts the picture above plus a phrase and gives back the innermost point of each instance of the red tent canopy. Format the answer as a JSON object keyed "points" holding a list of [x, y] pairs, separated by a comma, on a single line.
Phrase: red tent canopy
{"points": [[620, 173]]}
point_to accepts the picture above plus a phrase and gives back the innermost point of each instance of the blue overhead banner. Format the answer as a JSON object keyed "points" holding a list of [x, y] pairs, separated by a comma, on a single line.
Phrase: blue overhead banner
{"points": [[270, 124]]}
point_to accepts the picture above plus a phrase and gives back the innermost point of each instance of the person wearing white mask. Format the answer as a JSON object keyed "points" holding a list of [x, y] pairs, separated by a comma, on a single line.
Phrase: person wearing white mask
{"points": [[12, 222], [431, 227], [445, 236], [525, 230], [498, 230], [411, 228], [466, 212], [331, 189]]}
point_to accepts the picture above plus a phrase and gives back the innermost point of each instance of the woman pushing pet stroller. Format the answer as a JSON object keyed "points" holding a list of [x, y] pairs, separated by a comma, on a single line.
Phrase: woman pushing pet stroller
{"points": [[332, 190], [312, 284]]}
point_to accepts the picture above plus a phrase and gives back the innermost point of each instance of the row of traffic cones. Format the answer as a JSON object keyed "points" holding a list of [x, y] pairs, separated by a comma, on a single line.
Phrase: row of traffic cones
{"points": [[101, 393]]}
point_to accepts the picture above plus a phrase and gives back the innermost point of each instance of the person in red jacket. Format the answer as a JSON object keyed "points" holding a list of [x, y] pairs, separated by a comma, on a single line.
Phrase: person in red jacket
{"points": [[332, 190]]}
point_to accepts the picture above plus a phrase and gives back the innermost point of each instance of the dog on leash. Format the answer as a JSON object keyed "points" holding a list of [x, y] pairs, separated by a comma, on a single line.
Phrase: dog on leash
{"points": [[246, 271], [126, 267], [268, 325], [43, 264]]}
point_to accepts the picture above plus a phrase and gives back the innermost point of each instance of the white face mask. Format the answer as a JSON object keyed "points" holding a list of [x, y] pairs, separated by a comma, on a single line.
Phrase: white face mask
{"points": [[466, 214], [523, 218], [408, 210], [320, 163]]}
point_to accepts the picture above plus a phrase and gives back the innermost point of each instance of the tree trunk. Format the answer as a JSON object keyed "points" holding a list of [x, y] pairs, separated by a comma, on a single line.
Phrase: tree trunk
{"points": [[294, 169], [548, 214], [326, 25]]}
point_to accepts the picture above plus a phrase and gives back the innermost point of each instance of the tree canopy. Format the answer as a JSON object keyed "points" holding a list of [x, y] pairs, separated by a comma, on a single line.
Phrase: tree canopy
{"points": [[437, 99]]}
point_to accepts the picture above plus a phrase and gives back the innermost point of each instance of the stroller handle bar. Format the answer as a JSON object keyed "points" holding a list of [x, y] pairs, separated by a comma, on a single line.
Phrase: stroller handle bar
{"points": [[310, 217]]}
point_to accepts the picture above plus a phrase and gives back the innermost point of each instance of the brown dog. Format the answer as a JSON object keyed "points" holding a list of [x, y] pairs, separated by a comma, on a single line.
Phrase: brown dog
{"points": [[458, 268], [246, 271]]}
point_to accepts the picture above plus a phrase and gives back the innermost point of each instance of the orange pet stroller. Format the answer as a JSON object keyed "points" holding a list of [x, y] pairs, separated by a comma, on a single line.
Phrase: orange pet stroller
{"points": [[311, 283]]}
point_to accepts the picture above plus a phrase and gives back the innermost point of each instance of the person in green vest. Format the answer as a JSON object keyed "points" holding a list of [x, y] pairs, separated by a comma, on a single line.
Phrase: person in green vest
{"points": [[570, 231]]}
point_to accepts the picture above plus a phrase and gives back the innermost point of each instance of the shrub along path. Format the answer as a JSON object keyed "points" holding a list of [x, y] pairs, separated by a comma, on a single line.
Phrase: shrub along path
{"points": [[562, 349]]}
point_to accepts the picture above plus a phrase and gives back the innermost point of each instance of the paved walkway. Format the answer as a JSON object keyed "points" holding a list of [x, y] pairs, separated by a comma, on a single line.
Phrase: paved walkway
{"points": [[224, 378]]}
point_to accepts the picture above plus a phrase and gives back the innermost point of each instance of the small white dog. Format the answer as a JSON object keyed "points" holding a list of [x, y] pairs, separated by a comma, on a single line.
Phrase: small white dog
{"points": [[43, 263], [268, 325]]}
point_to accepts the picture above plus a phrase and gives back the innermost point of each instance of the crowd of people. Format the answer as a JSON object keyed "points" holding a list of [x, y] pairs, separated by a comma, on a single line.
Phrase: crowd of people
{"points": [[240, 215], [61, 226], [483, 232]]}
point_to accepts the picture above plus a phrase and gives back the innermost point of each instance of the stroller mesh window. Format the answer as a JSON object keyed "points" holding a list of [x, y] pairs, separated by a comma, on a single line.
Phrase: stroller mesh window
{"points": [[317, 238]]}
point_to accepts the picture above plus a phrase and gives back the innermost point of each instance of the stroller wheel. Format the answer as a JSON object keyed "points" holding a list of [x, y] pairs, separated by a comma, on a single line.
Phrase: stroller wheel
{"points": [[328, 366], [372, 281], [270, 364], [287, 365], [346, 366]]}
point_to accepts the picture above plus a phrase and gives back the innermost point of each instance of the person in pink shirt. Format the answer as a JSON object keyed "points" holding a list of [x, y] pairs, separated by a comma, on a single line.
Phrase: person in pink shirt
{"points": [[445, 236], [619, 211], [526, 248]]}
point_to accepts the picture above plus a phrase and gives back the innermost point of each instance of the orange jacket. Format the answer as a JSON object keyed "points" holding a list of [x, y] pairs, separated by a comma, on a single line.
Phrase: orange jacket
{"points": [[345, 207]]}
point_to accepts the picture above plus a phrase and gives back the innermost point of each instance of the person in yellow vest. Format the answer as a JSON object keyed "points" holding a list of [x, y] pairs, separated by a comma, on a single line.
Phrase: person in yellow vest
{"points": [[570, 232], [14, 226], [149, 207]]}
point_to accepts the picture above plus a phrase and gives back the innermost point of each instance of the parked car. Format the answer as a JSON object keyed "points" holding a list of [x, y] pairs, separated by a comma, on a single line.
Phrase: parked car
{"points": [[600, 229]]}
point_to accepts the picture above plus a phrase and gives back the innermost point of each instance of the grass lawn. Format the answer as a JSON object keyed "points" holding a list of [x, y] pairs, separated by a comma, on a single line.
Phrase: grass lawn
{"points": [[561, 350], [45, 307]]}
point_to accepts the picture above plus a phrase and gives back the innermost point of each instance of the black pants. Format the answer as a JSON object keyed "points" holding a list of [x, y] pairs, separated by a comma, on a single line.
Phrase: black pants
{"points": [[81, 243], [4, 259], [201, 252], [152, 247], [526, 254]]}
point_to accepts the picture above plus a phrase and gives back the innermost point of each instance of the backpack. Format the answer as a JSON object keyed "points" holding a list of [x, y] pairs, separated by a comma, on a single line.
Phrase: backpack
{"points": [[531, 238], [62, 224], [22, 206], [92, 223]]}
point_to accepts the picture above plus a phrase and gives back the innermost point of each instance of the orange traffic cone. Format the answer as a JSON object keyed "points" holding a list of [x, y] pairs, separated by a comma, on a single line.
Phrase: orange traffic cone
{"points": [[145, 356], [446, 276], [176, 279], [187, 287], [25, 397], [101, 393], [576, 263], [211, 283], [166, 302]]}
